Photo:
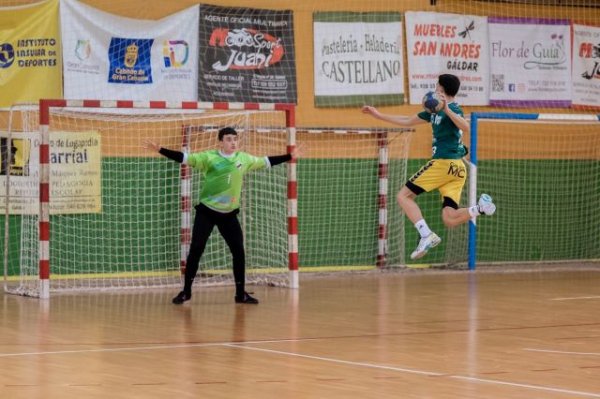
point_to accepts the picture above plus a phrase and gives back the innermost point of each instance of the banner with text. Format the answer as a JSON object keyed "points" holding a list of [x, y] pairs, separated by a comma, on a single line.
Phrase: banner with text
{"points": [[247, 55], [586, 66], [448, 43], [108, 57], [75, 173], [30, 61], [531, 63], [358, 59]]}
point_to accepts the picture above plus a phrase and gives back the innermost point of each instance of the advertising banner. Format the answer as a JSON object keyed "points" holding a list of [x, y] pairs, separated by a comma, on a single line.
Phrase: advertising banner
{"points": [[30, 60], [440, 43], [358, 59], [75, 173], [108, 57], [531, 62], [586, 66], [247, 55]]}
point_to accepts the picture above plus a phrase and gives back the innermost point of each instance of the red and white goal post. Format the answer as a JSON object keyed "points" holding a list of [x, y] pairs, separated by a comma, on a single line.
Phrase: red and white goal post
{"points": [[113, 215]]}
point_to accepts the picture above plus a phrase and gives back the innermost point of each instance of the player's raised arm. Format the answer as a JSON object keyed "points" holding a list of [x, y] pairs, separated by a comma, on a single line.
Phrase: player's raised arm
{"points": [[176, 156], [279, 159], [457, 119], [401, 120]]}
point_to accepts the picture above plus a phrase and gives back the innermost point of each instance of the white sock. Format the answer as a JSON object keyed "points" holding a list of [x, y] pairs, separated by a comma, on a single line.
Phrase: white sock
{"points": [[474, 211], [422, 228]]}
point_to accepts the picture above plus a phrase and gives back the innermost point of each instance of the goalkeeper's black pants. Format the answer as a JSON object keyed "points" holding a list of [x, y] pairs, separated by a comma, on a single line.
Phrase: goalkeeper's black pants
{"points": [[229, 227]]}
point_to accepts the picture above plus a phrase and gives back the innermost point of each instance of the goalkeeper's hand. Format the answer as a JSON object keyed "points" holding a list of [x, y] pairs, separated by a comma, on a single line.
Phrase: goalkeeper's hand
{"points": [[151, 145]]}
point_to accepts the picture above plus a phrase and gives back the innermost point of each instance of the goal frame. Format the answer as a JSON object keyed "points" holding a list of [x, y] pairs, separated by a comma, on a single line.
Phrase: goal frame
{"points": [[45, 107], [475, 117]]}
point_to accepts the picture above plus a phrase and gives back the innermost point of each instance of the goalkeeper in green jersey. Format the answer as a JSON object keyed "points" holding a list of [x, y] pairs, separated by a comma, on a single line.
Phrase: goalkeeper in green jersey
{"points": [[445, 172], [223, 170]]}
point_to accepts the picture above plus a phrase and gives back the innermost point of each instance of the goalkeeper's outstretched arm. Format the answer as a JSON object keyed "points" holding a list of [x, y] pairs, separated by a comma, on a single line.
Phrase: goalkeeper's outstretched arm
{"points": [[176, 156], [180, 157]]}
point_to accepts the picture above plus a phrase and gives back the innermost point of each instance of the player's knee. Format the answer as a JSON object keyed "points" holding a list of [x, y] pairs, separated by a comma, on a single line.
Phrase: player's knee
{"points": [[449, 217], [449, 223], [405, 195], [401, 197]]}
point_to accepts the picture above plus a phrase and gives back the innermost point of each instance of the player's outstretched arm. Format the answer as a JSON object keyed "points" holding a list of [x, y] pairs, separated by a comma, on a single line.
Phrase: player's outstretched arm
{"points": [[176, 156], [401, 120], [294, 154]]}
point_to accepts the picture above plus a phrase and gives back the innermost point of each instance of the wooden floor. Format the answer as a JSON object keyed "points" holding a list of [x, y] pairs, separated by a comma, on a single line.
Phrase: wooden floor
{"points": [[379, 335]]}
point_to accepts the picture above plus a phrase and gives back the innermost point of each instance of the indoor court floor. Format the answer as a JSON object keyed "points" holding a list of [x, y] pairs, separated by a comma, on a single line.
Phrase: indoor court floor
{"points": [[433, 334]]}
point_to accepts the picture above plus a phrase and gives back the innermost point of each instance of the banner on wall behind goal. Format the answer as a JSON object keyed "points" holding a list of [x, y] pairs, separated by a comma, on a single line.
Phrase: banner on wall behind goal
{"points": [[30, 60], [440, 43], [530, 62], [586, 66], [358, 59], [247, 55], [108, 57], [75, 173]]}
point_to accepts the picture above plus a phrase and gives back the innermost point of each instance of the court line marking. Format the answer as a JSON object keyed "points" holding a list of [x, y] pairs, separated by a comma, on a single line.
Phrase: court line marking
{"points": [[529, 386], [125, 349], [421, 372], [242, 345], [574, 298], [154, 347], [347, 362], [562, 352]]}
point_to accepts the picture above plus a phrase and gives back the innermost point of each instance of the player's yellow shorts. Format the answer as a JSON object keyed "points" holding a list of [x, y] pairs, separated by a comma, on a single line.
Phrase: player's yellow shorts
{"points": [[446, 175]]}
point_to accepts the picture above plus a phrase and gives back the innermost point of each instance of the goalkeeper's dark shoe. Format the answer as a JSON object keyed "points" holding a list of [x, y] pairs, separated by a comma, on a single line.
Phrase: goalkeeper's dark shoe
{"points": [[246, 298], [181, 298]]}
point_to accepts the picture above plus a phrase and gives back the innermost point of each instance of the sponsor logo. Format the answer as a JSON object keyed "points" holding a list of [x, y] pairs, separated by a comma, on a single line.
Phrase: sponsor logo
{"points": [[247, 49], [14, 157], [588, 51], [7, 55], [550, 54], [456, 170], [131, 55], [175, 53], [83, 49], [85, 63], [130, 61]]}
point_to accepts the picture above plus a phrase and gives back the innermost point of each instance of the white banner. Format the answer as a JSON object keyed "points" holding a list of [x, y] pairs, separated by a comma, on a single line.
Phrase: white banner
{"points": [[531, 64], [586, 66], [107, 57], [448, 43], [358, 62], [75, 173]]}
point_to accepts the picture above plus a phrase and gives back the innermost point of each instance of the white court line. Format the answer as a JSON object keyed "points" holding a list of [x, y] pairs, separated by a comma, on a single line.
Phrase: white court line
{"points": [[422, 372], [575, 298], [327, 359], [536, 387], [562, 352], [140, 348], [147, 348], [240, 345]]}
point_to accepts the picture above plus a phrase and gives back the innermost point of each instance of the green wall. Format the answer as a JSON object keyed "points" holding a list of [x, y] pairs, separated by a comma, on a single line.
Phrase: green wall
{"points": [[543, 214]]}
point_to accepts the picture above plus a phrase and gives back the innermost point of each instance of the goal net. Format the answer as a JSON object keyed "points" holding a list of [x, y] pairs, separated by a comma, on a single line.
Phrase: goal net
{"points": [[348, 217], [120, 215], [543, 172]]}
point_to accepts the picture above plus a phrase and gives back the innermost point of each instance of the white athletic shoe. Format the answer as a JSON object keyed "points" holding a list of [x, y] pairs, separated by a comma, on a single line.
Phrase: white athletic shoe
{"points": [[485, 205], [425, 244]]}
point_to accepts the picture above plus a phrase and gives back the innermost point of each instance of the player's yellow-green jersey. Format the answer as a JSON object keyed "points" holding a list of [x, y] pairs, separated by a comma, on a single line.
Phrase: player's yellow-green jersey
{"points": [[447, 137], [223, 177]]}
